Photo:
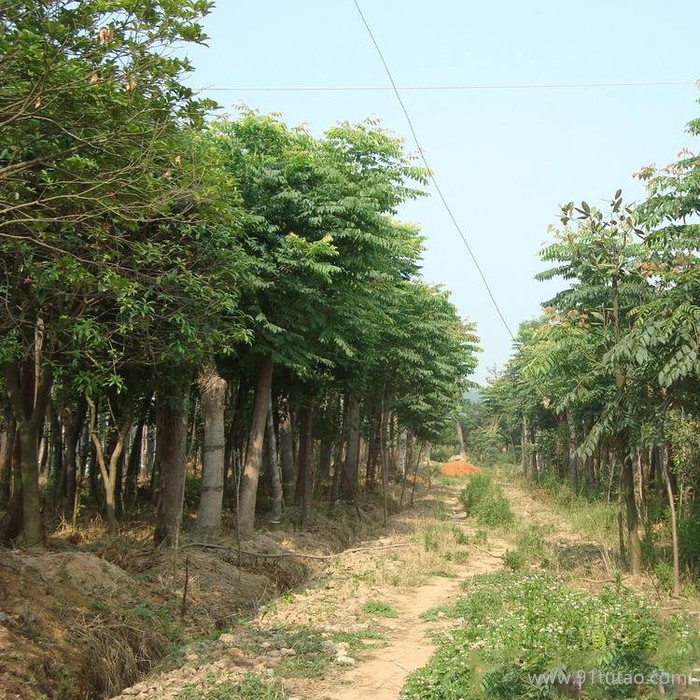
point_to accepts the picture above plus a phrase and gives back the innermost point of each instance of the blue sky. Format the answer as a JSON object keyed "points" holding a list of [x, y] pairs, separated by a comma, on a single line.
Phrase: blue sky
{"points": [[504, 158]]}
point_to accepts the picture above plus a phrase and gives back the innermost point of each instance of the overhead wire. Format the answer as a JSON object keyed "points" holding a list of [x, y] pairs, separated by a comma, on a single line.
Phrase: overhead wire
{"points": [[447, 88], [447, 207]]}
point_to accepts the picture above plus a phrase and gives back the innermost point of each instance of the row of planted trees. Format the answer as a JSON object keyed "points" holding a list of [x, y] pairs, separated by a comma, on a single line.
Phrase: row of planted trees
{"points": [[171, 282], [603, 389]]}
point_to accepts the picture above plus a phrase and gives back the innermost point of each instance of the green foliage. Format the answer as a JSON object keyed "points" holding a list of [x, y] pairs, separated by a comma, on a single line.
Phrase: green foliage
{"points": [[478, 489], [483, 499], [461, 537], [249, 687], [514, 560], [374, 607], [481, 537], [517, 625], [431, 539]]}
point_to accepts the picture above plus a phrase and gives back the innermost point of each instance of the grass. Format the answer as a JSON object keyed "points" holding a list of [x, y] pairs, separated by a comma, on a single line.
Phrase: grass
{"points": [[249, 687], [374, 607], [483, 499], [512, 624], [461, 537]]}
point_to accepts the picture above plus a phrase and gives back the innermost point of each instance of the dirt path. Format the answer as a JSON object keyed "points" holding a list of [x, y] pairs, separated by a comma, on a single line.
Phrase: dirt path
{"points": [[416, 566], [382, 676]]}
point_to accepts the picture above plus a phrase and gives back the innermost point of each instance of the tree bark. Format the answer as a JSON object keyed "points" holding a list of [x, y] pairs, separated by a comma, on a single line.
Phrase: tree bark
{"points": [[350, 473], [460, 440], [401, 452], [674, 523], [7, 443], [305, 483], [171, 460], [635, 544], [72, 419], [212, 389], [274, 467], [28, 388], [254, 451], [286, 452], [109, 467]]}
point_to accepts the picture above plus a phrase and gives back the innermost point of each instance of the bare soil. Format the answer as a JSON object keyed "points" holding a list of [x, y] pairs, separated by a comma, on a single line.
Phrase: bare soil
{"points": [[459, 467]]}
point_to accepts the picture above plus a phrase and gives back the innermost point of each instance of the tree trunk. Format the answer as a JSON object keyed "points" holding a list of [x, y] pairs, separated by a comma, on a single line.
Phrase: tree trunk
{"points": [[28, 388], [338, 462], [374, 454], [573, 455], [286, 453], [11, 523], [254, 451], [350, 472], [171, 460], [109, 467], [383, 450], [635, 545], [238, 394], [325, 458], [135, 461], [274, 467], [212, 389], [72, 424], [674, 522], [401, 452], [7, 444], [460, 440], [305, 483]]}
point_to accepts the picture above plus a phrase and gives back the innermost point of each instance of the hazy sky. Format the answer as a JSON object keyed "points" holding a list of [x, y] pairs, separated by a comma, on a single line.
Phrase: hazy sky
{"points": [[504, 158]]}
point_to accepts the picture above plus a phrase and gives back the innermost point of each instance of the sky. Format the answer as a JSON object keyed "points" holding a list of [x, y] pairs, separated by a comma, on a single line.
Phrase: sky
{"points": [[504, 158]]}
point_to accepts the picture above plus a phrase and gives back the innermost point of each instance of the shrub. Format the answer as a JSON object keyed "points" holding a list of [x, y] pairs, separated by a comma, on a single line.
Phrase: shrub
{"points": [[484, 499], [518, 625]]}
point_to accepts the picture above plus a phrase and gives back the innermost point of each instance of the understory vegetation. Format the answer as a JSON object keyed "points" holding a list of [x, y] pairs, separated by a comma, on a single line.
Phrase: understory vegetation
{"points": [[526, 635]]}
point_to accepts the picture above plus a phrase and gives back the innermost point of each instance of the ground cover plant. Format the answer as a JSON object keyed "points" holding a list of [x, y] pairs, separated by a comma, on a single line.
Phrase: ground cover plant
{"points": [[525, 635]]}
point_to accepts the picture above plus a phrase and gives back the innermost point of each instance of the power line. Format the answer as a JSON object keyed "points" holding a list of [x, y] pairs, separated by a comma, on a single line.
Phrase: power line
{"points": [[448, 88], [430, 172]]}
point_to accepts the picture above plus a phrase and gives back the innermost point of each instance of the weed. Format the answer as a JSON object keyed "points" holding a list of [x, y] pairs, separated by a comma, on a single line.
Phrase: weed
{"points": [[382, 609], [495, 512], [516, 625], [442, 573], [480, 486], [483, 499], [431, 539], [514, 560], [459, 557], [663, 572], [461, 537], [249, 687], [481, 537], [441, 513], [356, 640]]}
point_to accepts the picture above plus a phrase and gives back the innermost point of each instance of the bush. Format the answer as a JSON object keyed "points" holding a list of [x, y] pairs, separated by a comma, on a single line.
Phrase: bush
{"points": [[478, 488], [484, 500], [518, 625]]}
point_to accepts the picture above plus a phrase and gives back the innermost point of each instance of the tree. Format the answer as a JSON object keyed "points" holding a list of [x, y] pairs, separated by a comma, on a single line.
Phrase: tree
{"points": [[91, 108]]}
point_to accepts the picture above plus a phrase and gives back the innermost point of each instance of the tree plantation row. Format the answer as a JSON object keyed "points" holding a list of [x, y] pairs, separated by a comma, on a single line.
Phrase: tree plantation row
{"points": [[603, 389], [175, 286]]}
